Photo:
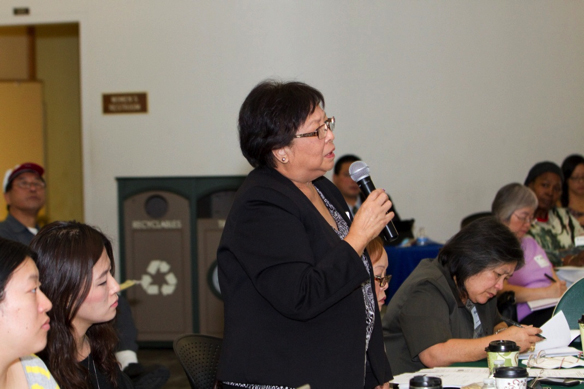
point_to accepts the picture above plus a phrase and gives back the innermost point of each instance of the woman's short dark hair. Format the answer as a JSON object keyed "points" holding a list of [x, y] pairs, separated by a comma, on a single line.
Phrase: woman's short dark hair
{"points": [[270, 116], [12, 255], [482, 244], [67, 253], [344, 159], [568, 167]]}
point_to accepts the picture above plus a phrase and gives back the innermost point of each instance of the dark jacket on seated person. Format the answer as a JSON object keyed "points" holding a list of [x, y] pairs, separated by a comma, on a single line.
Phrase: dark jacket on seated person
{"points": [[427, 310]]}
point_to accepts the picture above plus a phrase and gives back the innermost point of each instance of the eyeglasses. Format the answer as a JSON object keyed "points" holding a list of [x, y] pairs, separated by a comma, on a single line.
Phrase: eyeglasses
{"points": [[577, 179], [535, 359], [328, 125], [525, 219], [383, 280], [30, 184]]}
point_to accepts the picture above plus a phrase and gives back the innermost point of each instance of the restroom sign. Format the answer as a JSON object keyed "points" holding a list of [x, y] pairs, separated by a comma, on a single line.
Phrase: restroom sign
{"points": [[131, 102]]}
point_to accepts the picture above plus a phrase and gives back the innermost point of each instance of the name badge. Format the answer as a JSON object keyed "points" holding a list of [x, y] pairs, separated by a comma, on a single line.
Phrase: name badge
{"points": [[541, 261], [579, 241], [475, 318]]}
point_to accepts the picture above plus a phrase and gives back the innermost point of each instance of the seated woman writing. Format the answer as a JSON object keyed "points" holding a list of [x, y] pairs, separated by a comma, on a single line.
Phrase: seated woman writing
{"points": [[76, 268], [514, 206], [23, 320], [445, 311]]}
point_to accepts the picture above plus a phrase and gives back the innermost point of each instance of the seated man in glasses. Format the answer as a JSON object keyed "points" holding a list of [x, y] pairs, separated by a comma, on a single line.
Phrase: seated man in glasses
{"points": [[24, 193]]}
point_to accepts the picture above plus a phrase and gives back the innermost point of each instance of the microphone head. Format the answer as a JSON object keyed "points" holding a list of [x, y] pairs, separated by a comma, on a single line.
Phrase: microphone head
{"points": [[359, 170]]}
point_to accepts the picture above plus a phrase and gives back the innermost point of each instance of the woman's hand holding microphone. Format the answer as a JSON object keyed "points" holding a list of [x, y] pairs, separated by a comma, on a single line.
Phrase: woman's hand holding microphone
{"points": [[369, 220]]}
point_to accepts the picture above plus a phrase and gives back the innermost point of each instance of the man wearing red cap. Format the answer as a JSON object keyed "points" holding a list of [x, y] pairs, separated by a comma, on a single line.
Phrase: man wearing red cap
{"points": [[24, 192]]}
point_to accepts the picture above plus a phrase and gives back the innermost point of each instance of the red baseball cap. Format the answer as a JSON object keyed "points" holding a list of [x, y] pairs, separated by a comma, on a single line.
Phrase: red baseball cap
{"points": [[11, 174]]}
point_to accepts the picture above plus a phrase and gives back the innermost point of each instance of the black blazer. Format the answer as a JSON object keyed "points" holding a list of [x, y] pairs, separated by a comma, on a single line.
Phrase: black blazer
{"points": [[294, 310]]}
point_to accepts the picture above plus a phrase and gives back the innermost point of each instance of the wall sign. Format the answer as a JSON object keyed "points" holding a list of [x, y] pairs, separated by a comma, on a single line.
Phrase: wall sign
{"points": [[133, 102]]}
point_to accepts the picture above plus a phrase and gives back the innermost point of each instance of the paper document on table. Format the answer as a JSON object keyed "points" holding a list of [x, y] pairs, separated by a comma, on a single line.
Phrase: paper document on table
{"points": [[556, 373], [536, 305], [454, 377], [558, 337], [570, 274]]}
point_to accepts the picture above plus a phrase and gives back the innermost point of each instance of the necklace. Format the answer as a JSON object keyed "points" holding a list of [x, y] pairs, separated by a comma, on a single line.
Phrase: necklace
{"points": [[94, 370]]}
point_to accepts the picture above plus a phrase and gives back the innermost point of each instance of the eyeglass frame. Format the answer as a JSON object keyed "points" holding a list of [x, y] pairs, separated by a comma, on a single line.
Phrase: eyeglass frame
{"points": [[577, 179], [329, 125], [535, 359], [383, 280], [27, 185], [526, 219]]}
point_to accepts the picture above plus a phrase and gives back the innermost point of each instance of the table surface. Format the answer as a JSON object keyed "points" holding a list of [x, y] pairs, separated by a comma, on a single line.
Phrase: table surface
{"points": [[483, 363]]}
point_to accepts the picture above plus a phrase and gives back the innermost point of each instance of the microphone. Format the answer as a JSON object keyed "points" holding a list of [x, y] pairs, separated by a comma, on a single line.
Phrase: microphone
{"points": [[359, 172]]}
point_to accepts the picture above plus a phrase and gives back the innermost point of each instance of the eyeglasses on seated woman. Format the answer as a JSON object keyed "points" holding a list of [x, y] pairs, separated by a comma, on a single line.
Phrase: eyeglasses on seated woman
{"points": [[446, 310], [554, 228], [514, 206]]}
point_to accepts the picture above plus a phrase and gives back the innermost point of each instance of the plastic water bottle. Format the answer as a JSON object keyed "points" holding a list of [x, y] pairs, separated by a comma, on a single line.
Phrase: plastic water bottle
{"points": [[422, 238]]}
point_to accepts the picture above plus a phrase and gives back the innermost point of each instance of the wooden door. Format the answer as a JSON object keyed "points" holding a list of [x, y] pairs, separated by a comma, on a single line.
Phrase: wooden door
{"points": [[21, 127]]}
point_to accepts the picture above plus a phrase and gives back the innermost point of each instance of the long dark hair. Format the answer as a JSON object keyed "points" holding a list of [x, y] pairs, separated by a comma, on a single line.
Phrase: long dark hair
{"points": [[12, 255], [67, 252], [568, 167], [483, 244]]}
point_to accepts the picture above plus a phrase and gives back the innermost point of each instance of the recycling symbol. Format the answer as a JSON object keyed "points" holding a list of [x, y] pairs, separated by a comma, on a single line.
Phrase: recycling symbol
{"points": [[154, 267]]}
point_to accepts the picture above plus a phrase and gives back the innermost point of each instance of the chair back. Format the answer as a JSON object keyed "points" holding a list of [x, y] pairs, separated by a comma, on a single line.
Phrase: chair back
{"points": [[199, 356], [472, 217], [572, 304]]}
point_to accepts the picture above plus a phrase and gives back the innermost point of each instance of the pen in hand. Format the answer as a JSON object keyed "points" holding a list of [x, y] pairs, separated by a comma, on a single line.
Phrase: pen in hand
{"points": [[514, 323], [552, 279]]}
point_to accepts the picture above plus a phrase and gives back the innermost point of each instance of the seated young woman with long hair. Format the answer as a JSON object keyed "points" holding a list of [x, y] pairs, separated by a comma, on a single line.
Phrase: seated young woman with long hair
{"points": [[76, 268], [23, 320]]}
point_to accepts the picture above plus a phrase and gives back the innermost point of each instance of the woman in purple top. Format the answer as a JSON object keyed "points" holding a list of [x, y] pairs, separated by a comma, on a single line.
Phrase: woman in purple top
{"points": [[514, 206]]}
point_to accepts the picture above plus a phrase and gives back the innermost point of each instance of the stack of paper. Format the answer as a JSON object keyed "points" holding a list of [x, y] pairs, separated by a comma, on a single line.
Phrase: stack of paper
{"points": [[558, 337], [536, 305], [570, 274], [454, 377]]}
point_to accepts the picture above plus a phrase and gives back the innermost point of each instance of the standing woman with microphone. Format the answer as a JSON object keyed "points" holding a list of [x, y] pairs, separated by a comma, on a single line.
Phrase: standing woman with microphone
{"points": [[297, 283]]}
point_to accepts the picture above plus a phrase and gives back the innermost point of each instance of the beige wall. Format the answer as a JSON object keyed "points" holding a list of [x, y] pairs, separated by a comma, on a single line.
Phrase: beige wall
{"points": [[446, 100]]}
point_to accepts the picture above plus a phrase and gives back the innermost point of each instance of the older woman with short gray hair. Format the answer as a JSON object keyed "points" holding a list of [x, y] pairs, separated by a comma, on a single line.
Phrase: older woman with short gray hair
{"points": [[514, 206]]}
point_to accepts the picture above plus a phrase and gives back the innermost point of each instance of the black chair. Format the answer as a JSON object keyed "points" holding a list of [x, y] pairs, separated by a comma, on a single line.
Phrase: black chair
{"points": [[472, 217], [507, 306], [199, 356]]}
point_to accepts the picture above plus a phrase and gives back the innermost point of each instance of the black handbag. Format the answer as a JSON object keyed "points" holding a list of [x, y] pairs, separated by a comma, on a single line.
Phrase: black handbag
{"points": [[507, 306]]}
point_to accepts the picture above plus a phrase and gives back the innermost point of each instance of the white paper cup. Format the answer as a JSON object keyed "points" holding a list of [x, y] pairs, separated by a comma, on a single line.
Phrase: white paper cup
{"points": [[511, 377]]}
